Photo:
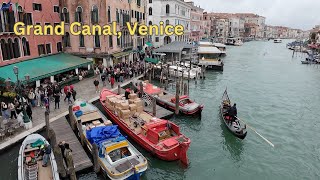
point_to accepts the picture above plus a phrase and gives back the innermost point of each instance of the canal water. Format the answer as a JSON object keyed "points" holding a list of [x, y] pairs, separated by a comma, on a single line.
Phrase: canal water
{"points": [[275, 94]]}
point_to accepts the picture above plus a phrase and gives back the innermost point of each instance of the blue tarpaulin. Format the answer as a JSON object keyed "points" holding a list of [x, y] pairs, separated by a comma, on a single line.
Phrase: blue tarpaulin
{"points": [[99, 134]]}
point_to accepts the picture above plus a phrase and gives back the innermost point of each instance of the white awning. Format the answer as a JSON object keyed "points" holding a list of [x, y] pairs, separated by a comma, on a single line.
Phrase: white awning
{"points": [[209, 50]]}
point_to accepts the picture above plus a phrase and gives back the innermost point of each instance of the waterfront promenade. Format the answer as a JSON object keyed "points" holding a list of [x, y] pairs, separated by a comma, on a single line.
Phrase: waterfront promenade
{"points": [[85, 90]]}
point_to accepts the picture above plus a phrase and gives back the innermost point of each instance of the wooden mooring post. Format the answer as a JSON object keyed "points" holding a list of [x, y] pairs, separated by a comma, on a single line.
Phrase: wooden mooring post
{"points": [[119, 89], [46, 117], [154, 106], [71, 118], [177, 97], [141, 89], [95, 155], [186, 89], [57, 153], [166, 84]]}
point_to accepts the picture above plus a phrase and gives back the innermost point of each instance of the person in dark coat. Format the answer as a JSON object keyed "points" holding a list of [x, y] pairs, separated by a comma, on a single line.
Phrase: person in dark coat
{"points": [[96, 84], [29, 111], [56, 101], [74, 94], [233, 113]]}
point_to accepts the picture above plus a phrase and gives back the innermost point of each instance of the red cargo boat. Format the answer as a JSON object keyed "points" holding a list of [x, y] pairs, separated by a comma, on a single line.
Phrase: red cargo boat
{"points": [[160, 137]]}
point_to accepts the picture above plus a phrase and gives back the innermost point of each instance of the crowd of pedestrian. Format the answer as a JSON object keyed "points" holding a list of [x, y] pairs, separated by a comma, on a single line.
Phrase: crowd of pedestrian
{"points": [[117, 73]]}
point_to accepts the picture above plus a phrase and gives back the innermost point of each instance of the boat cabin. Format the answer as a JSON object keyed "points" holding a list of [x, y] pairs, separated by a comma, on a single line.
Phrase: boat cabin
{"points": [[116, 151], [159, 131]]}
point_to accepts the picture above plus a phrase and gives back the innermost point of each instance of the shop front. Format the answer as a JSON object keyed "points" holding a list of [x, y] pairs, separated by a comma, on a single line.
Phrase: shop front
{"points": [[59, 68]]}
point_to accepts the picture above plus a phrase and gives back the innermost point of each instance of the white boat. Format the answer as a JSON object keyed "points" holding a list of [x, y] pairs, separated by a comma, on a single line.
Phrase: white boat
{"points": [[277, 40], [29, 166], [118, 158], [238, 43], [177, 71]]}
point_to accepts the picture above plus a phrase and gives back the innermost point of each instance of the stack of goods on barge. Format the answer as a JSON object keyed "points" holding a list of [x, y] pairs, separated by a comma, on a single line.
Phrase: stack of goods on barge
{"points": [[161, 137]]}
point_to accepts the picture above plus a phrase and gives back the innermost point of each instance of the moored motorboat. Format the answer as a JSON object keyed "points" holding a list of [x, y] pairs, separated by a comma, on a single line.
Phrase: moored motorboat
{"points": [[160, 137], [168, 100], [118, 158], [234, 125], [29, 163]]}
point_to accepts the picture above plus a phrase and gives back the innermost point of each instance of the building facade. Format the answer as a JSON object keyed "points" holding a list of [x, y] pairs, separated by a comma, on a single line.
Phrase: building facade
{"points": [[196, 23], [100, 48], [16, 48], [173, 12]]}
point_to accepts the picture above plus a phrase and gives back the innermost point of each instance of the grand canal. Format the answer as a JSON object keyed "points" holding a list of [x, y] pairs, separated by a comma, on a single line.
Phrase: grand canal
{"points": [[275, 94]]}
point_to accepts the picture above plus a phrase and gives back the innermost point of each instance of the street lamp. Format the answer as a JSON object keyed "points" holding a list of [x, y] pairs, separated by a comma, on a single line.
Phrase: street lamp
{"points": [[25, 116]]}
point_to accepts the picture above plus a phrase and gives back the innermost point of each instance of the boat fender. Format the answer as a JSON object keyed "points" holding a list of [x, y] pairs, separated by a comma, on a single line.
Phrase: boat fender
{"points": [[175, 154]]}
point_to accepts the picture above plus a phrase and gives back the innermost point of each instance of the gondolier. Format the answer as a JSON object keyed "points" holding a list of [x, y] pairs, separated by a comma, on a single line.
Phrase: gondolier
{"points": [[230, 119]]}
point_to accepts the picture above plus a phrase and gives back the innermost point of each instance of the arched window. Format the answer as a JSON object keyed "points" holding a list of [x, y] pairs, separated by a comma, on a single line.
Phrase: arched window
{"points": [[78, 15], [25, 46], [109, 14], [150, 11], [167, 9], [94, 14], [65, 15], [81, 40], [150, 1], [150, 23], [167, 22], [16, 48], [20, 14], [4, 49], [97, 40], [66, 40], [10, 49]]}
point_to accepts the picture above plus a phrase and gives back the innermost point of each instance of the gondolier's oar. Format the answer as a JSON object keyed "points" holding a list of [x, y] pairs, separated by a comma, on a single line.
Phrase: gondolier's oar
{"points": [[257, 132]]}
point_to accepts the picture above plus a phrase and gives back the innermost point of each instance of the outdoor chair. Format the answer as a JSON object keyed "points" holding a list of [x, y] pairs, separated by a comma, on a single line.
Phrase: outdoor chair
{"points": [[11, 130], [2, 133]]}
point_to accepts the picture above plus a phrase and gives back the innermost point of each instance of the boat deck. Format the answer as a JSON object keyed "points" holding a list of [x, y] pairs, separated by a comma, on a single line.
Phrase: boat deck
{"points": [[44, 173], [64, 132]]}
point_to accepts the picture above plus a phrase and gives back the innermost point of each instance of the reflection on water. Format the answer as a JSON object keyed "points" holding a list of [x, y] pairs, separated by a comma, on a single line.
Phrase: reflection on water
{"points": [[231, 143]]}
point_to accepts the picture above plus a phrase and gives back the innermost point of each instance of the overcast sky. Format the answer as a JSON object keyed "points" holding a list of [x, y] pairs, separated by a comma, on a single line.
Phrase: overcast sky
{"points": [[302, 14]]}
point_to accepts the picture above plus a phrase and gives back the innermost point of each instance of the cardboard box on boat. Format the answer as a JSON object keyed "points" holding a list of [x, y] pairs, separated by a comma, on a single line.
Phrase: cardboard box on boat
{"points": [[131, 101], [124, 105], [139, 109], [133, 96], [138, 102], [132, 107]]}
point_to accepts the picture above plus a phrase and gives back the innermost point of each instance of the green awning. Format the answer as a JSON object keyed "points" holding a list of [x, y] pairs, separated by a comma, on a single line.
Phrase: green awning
{"points": [[149, 44], [121, 54], [43, 67], [152, 60]]}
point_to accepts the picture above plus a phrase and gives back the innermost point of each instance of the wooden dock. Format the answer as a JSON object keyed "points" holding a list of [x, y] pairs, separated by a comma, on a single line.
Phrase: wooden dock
{"points": [[161, 112], [64, 132]]}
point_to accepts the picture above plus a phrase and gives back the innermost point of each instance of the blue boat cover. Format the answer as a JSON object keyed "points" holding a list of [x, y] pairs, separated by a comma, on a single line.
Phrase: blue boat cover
{"points": [[100, 134]]}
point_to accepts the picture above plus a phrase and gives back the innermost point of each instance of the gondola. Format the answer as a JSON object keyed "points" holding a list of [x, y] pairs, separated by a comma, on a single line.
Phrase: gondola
{"points": [[237, 128]]}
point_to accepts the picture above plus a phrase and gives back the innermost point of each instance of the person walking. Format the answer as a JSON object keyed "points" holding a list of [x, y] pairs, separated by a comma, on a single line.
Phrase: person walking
{"points": [[47, 103], [46, 155], [56, 101], [96, 84], [73, 93], [103, 79], [65, 90], [68, 96], [4, 110], [12, 111], [32, 97], [29, 111], [112, 80]]}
